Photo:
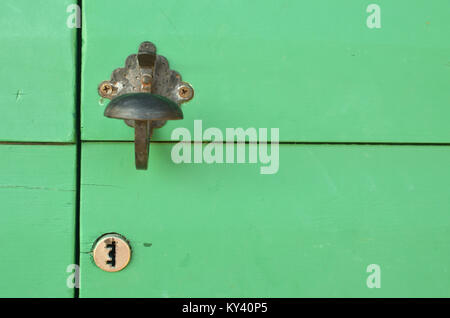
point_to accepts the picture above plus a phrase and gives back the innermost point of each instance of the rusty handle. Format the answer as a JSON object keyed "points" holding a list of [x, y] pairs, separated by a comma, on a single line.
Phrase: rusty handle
{"points": [[142, 133]]}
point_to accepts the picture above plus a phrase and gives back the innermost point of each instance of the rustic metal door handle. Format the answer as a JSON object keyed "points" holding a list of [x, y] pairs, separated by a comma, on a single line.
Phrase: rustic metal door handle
{"points": [[146, 94]]}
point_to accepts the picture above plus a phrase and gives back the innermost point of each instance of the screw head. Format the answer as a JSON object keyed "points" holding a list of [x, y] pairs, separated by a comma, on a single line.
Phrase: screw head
{"points": [[105, 89], [111, 252], [185, 92]]}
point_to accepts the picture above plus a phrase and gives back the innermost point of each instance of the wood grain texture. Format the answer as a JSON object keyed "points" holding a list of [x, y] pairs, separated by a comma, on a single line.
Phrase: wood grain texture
{"points": [[37, 231], [37, 77], [311, 68], [311, 230]]}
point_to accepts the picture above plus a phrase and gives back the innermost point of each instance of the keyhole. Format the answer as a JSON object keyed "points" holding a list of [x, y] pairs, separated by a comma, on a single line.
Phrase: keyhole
{"points": [[111, 254]]}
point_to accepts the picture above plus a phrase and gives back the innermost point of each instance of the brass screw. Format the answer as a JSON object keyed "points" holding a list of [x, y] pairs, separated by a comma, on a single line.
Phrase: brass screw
{"points": [[106, 89], [185, 92]]}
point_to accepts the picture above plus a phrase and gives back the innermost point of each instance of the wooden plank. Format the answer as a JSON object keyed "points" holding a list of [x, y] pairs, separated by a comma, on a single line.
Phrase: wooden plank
{"points": [[311, 68], [310, 230], [37, 232], [37, 77]]}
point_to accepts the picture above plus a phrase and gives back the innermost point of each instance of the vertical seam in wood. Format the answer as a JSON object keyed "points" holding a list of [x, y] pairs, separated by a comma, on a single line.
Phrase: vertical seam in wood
{"points": [[78, 66]]}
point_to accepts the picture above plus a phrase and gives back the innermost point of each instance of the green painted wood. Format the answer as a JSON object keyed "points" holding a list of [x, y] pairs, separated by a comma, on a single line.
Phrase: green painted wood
{"points": [[311, 68], [37, 232], [37, 77], [224, 230]]}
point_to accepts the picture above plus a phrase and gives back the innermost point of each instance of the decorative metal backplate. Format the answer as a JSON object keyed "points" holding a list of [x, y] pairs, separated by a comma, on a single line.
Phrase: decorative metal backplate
{"points": [[147, 72]]}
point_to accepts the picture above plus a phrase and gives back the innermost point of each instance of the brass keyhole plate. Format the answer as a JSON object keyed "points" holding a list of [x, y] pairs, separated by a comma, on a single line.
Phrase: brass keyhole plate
{"points": [[111, 252]]}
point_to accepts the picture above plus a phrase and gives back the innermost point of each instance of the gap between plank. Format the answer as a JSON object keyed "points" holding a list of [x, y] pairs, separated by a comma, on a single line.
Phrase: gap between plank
{"points": [[78, 66], [343, 143]]}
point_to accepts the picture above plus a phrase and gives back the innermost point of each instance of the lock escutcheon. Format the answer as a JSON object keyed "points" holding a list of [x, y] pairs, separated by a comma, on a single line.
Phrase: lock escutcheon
{"points": [[111, 252]]}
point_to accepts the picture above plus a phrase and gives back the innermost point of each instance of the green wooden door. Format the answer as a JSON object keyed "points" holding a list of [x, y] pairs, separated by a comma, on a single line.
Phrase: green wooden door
{"points": [[38, 72], [37, 192], [37, 148], [312, 68], [356, 203], [363, 176], [311, 230]]}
